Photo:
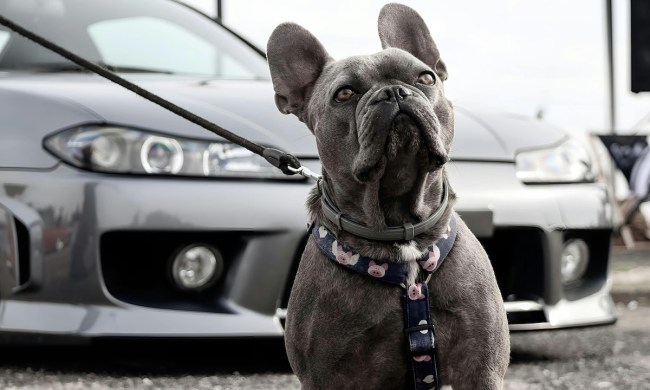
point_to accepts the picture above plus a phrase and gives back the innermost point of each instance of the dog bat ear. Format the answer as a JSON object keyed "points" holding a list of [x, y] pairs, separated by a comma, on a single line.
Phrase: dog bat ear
{"points": [[402, 27], [296, 59]]}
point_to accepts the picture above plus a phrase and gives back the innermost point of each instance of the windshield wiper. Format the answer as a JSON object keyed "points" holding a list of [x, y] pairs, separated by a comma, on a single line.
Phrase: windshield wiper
{"points": [[132, 69], [52, 67], [62, 67]]}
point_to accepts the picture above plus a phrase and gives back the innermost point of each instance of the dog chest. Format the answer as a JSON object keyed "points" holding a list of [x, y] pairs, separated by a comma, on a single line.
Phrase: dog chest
{"points": [[340, 321]]}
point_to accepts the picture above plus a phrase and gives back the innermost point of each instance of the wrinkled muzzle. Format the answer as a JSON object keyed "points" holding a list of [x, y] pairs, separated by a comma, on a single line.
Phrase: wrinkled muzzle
{"points": [[394, 120]]}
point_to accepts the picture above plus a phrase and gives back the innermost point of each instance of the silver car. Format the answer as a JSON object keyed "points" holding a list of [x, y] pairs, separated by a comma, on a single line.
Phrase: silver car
{"points": [[120, 219]]}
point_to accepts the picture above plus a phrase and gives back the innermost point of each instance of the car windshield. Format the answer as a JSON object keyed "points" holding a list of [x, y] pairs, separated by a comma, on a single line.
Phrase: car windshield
{"points": [[152, 36]]}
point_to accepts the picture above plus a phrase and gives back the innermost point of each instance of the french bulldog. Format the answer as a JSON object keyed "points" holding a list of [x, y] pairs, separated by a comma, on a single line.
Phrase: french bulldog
{"points": [[384, 130]]}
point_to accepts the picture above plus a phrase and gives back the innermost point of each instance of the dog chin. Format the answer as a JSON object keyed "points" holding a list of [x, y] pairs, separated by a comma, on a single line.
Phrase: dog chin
{"points": [[410, 149], [427, 135]]}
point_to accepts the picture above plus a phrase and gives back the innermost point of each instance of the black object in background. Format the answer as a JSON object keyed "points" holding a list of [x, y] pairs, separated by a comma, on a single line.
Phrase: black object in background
{"points": [[625, 150], [640, 45]]}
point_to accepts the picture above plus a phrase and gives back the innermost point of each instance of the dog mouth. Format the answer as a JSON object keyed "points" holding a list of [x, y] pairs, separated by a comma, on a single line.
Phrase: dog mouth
{"points": [[404, 138], [411, 145]]}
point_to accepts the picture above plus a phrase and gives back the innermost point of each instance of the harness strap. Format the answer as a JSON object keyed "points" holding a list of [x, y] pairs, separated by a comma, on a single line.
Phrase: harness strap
{"points": [[418, 324], [421, 339]]}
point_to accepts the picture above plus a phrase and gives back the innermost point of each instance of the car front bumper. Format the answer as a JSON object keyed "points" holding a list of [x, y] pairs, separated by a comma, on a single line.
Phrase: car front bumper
{"points": [[524, 233], [94, 251]]}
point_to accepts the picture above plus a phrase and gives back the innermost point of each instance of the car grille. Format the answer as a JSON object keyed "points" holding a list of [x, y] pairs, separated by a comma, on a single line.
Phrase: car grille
{"points": [[284, 300], [17, 259], [517, 257]]}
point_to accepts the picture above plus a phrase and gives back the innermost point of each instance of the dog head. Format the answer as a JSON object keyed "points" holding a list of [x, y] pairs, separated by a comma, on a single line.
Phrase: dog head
{"points": [[382, 123]]}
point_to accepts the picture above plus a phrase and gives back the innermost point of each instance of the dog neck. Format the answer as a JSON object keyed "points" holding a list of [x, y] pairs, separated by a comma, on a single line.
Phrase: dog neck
{"points": [[335, 219], [427, 210]]}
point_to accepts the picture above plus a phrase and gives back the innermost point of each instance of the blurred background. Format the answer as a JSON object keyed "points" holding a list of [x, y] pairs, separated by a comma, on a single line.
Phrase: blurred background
{"points": [[503, 53], [567, 63]]}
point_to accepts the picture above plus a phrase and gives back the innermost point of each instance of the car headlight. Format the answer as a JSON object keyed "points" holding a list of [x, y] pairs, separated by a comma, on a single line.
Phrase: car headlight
{"points": [[125, 150], [567, 162]]}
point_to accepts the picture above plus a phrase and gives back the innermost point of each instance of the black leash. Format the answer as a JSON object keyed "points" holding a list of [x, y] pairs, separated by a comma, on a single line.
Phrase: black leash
{"points": [[286, 162]]}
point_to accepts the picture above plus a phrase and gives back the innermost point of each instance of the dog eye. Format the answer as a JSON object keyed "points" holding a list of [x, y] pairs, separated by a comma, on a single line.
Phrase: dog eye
{"points": [[344, 94], [426, 78]]}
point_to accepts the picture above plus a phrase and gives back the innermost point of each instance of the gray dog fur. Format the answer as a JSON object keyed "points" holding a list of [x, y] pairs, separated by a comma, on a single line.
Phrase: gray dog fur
{"points": [[383, 152]]}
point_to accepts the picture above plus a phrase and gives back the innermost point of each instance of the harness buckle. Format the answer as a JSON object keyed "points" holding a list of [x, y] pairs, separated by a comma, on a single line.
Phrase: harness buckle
{"points": [[418, 328]]}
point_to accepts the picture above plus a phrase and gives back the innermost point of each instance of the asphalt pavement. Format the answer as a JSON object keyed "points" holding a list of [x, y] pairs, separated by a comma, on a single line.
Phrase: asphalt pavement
{"points": [[630, 272]]}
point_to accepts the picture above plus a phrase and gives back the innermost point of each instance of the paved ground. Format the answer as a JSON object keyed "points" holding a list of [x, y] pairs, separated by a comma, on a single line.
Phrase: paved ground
{"points": [[630, 270], [611, 357]]}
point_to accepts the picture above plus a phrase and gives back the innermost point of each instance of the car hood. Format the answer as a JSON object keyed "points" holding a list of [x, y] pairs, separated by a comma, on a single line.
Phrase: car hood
{"points": [[489, 135], [245, 108]]}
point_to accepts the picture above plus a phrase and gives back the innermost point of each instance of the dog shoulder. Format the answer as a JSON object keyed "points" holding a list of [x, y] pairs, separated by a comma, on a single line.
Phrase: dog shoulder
{"points": [[467, 244]]}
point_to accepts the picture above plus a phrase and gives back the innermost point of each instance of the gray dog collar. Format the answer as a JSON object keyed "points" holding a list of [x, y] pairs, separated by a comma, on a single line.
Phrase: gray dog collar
{"points": [[336, 221]]}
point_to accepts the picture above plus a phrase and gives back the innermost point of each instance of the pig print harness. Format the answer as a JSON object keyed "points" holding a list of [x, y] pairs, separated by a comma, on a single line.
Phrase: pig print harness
{"points": [[418, 327]]}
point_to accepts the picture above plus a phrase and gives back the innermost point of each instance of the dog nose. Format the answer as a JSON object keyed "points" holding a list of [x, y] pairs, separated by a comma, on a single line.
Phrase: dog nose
{"points": [[393, 92]]}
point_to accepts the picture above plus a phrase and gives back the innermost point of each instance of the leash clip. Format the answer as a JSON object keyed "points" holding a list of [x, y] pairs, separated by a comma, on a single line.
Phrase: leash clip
{"points": [[306, 172]]}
